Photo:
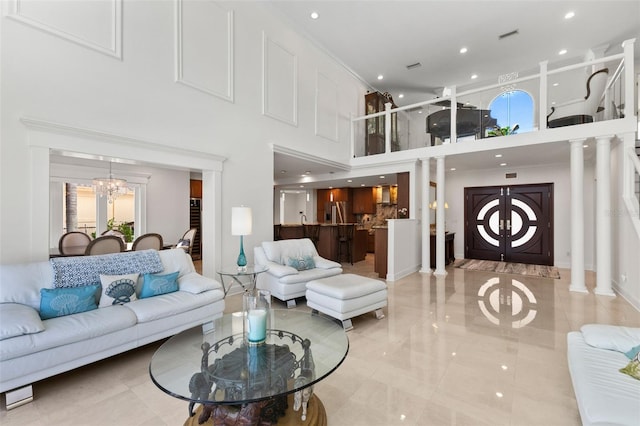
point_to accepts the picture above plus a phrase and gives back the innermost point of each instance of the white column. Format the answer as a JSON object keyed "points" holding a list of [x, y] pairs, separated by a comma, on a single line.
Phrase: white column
{"points": [[387, 127], [426, 218], [603, 216], [440, 270], [577, 216], [454, 116], [542, 101]]}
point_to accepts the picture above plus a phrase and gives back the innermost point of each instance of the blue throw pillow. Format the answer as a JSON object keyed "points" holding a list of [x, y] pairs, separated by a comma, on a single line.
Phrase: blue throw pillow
{"points": [[633, 352], [301, 263], [155, 285], [58, 302]]}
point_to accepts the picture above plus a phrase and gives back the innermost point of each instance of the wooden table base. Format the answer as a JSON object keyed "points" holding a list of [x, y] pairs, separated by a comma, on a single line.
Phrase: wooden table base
{"points": [[316, 415]]}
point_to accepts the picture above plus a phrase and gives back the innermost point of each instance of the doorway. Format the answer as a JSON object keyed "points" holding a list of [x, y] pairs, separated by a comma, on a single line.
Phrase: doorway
{"points": [[509, 223]]}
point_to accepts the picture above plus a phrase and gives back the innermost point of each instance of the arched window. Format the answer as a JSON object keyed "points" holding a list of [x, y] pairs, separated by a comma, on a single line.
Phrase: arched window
{"points": [[513, 108]]}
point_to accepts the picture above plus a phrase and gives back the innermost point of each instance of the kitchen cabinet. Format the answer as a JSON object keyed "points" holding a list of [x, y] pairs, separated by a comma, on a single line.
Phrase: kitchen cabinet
{"points": [[195, 187], [363, 201]]}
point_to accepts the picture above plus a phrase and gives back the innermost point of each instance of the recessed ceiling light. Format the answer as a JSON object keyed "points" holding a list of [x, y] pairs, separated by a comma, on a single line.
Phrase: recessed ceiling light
{"points": [[463, 50], [307, 172], [331, 187], [499, 394], [420, 112], [301, 186], [585, 146], [401, 95], [314, 15], [283, 171], [498, 155], [380, 76], [474, 76], [569, 15], [381, 177], [453, 169], [349, 180], [503, 164], [556, 84], [553, 103], [362, 184], [562, 52]]}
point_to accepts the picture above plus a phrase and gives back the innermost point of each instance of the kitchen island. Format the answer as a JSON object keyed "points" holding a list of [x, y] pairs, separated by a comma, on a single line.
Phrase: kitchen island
{"points": [[327, 244]]}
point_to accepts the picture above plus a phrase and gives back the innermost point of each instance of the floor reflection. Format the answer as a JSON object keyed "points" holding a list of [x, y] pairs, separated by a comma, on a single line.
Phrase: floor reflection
{"points": [[510, 304]]}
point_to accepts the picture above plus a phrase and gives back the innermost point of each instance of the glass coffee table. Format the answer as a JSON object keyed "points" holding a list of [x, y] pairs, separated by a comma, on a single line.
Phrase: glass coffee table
{"points": [[211, 366]]}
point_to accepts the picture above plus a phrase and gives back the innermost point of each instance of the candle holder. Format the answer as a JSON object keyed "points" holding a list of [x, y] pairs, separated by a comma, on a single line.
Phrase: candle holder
{"points": [[256, 305]]}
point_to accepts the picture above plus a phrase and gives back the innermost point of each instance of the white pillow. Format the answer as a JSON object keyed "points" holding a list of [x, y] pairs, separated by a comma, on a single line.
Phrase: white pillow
{"points": [[17, 319], [611, 337], [195, 283], [118, 289]]}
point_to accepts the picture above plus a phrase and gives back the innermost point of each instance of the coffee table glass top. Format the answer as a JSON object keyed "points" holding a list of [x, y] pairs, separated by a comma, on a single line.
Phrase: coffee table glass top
{"points": [[210, 364]]}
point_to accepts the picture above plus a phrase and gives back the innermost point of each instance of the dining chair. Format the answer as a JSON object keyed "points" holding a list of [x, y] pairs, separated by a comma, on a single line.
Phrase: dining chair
{"points": [[148, 241], [113, 232], [105, 244], [73, 243], [187, 240]]}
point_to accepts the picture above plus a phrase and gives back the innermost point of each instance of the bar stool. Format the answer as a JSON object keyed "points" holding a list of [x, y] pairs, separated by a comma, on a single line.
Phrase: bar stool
{"points": [[313, 233], [345, 241]]}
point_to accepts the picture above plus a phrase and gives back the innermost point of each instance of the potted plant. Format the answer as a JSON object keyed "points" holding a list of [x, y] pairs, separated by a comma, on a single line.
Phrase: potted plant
{"points": [[503, 131]]}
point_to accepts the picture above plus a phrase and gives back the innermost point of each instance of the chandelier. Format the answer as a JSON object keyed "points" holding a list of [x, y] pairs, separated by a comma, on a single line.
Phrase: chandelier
{"points": [[110, 187]]}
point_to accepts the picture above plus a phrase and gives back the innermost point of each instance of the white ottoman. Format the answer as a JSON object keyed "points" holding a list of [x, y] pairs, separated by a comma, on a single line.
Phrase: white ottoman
{"points": [[346, 296]]}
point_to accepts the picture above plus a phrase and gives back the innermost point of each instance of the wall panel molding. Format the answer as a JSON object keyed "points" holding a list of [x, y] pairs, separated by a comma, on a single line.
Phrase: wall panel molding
{"points": [[34, 14], [326, 108], [279, 82], [205, 27]]}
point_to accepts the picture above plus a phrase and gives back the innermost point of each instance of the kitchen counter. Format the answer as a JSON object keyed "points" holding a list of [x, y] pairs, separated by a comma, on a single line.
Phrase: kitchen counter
{"points": [[327, 244]]}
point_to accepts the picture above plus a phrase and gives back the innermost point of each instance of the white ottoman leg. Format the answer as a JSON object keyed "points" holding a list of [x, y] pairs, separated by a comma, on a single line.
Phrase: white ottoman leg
{"points": [[347, 324], [379, 313], [291, 303], [18, 397]]}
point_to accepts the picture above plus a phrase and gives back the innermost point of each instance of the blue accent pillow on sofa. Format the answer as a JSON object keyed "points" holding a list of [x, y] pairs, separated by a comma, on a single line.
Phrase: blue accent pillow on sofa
{"points": [[58, 302], [301, 263], [155, 285]]}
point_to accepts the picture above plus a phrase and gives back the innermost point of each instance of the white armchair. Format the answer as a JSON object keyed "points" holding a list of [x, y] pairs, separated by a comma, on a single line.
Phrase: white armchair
{"points": [[292, 263], [582, 110]]}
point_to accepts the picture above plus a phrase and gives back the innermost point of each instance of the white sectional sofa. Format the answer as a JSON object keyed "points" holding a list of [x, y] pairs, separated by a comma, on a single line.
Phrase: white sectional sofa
{"points": [[292, 263], [32, 348], [605, 396]]}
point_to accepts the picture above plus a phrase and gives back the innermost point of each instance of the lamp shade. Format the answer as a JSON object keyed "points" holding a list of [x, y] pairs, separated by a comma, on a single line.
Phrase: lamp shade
{"points": [[240, 221]]}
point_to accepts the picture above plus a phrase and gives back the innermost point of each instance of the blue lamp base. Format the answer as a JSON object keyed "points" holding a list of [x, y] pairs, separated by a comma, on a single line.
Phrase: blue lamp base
{"points": [[242, 259]]}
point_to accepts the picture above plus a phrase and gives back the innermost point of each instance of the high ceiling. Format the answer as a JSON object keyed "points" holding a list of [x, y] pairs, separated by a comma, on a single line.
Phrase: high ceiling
{"points": [[374, 38]]}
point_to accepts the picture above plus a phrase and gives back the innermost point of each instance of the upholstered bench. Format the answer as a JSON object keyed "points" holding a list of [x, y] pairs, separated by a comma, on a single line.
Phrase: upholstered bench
{"points": [[346, 296]]}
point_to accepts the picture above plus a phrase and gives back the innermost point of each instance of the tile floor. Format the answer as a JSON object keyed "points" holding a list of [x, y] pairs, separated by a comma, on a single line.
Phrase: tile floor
{"points": [[472, 348]]}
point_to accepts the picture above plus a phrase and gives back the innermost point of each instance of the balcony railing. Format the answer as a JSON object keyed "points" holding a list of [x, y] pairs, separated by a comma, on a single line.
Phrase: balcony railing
{"points": [[429, 123]]}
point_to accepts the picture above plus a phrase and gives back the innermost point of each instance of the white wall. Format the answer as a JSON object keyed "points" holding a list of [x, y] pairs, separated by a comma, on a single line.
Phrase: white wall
{"points": [[558, 174], [218, 110]]}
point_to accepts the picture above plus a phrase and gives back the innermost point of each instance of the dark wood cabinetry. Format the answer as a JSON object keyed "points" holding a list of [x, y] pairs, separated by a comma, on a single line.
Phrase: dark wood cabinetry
{"points": [[449, 256], [374, 143], [195, 188], [403, 195], [363, 201], [380, 258]]}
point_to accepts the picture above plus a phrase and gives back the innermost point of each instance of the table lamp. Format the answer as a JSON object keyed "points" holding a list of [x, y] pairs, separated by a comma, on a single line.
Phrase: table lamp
{"points": [[241, 225]]}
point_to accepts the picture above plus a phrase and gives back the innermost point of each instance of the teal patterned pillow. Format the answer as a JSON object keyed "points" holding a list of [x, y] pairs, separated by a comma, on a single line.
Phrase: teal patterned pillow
{"points": [[301, 263], [58, 302], [155, 285]]}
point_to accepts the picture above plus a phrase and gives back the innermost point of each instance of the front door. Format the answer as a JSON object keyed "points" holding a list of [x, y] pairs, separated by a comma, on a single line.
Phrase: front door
{"points": [[510, 223]]}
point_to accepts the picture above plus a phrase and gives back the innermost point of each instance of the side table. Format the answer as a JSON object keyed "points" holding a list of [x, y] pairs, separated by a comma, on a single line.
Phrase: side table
{"points": [[238, 277]]}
